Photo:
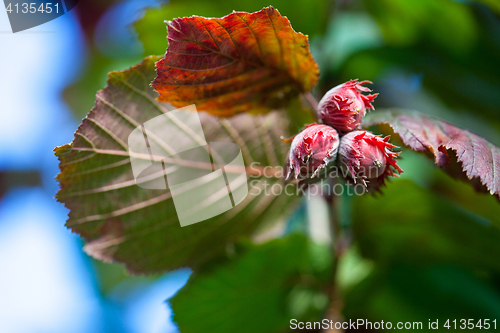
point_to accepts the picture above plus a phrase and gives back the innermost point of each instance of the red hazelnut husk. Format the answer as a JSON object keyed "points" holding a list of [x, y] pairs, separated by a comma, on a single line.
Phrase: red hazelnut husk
{"points": [[368, 158], [311, 151], [343, 106]]}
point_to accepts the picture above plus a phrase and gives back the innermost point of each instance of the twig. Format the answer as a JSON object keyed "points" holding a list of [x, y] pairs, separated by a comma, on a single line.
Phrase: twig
{"points": [[311, 100], [334, 310]]}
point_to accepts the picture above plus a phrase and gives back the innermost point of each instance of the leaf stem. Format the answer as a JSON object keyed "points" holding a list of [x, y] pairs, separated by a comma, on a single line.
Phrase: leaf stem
{"points": [[334, 310], [312, 101]]}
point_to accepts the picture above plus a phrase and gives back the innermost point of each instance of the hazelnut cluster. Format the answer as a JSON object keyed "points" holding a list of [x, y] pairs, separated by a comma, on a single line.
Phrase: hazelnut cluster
{"points": [[338, 141]]}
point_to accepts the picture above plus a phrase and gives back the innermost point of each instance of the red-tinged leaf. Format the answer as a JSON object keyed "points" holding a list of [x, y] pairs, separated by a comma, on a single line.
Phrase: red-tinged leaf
{"points": [[139, 227], [478, 159], [241, 62]]}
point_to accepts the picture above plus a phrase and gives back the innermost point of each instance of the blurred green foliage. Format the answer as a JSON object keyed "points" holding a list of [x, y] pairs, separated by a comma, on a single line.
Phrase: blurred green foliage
{"points": [[309, 17], [405, 293], [422, 228], [404, 23], [432, 259], [453, 46]]}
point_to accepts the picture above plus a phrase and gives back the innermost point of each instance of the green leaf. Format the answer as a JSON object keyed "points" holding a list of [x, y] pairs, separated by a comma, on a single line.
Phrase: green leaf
{"points": [[461, 153], [310, 19], [259, 291], [139, 227]]}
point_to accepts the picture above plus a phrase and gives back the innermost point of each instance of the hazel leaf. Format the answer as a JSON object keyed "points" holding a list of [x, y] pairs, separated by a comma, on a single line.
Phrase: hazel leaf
{"points": [[123, 222], [459, 152], [241, 62]]}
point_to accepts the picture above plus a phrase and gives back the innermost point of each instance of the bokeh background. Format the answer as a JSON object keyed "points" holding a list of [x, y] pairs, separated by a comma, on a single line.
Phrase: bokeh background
{"points": [[429, 253]]}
